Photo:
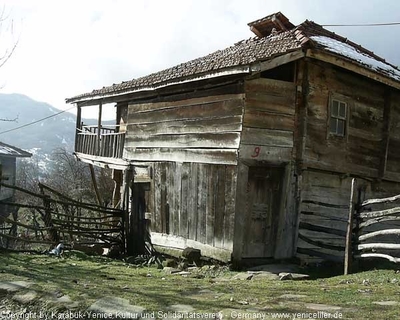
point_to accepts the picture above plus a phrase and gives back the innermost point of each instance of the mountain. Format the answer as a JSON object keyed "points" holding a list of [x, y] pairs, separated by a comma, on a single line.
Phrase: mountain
{"points": [[40, 138]]}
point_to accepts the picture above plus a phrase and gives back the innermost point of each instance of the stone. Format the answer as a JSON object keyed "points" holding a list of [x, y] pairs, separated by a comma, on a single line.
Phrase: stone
{"points": [[58, 298], [242, 276], [14, 286], [263, 275], [25, 298], [293, 276], [321, 307], [285, 276], [300, 276], [117, 307], [183, 273], [191, 254], [182, 308], [277, 268]]}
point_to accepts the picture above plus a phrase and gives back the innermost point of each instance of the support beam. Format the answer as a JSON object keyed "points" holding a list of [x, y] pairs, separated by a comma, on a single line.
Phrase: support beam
{"points": [[385, 133], [348, 254], [117, 177], [78, 124], [99, 128], [128, 177], [96, 189], [300, 133]]}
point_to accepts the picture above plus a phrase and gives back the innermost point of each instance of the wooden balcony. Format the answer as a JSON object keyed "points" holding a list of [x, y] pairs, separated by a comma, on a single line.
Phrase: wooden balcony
{"points": [[103, 141]]}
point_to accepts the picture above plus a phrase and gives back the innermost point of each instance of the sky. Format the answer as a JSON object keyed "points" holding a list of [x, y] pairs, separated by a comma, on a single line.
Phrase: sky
{"points": [[65, 48]]}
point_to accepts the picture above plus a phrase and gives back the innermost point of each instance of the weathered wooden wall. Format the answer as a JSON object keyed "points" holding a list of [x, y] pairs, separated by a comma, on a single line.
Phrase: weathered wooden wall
{"points": [[359, 152], [266, 144], [329, 160], [205, 129], [268, 122], [8, 173], [393, 156], [194, 201]]}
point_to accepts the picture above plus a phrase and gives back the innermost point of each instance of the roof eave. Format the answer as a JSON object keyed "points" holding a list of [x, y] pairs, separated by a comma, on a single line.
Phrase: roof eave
{"points": [[25, 155], [244, 69]]}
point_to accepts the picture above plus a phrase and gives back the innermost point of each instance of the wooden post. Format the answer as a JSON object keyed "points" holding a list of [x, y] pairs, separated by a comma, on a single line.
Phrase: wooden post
{"points": [[96, 189], [78, 145], [1, 174], [128, 177], [385, 133], [47, 219], [349, 235], [117, 177], [300, 136], [301, 114], [99, 129]]}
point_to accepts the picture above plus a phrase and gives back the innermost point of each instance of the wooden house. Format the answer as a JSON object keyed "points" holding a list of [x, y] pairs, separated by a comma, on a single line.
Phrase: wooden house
{"points": [[8, 161], [248, 152]]}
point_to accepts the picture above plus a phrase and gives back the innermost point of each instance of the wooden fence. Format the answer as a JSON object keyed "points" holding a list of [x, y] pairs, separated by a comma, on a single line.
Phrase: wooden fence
{"points": [[366, 223], [47, 218]]}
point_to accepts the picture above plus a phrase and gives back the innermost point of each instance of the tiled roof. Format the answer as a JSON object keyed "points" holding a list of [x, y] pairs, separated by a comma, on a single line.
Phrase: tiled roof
{"points": [[7, 150], [242, 54]]}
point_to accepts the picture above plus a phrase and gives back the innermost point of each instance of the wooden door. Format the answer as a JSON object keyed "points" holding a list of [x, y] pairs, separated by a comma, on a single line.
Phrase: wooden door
{"points": [[264, 190]]}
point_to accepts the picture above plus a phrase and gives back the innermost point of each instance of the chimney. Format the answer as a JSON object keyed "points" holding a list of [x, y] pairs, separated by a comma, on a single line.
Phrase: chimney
{"points": [[264, 27]]}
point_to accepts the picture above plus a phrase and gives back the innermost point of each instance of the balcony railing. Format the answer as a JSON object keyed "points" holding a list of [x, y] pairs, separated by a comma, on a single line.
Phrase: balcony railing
{"points": [[107, 142]]}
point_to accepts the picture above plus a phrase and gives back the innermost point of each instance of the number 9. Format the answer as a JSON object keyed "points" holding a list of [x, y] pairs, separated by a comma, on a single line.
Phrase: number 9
{"points": [[256, 152]]}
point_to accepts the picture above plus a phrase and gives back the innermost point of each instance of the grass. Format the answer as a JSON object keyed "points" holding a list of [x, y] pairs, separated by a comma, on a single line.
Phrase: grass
{"points": [[86, 279]]}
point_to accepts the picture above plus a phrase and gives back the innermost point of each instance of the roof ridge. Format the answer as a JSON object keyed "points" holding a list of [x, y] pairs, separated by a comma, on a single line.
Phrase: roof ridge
{"points": [[308, 23]]}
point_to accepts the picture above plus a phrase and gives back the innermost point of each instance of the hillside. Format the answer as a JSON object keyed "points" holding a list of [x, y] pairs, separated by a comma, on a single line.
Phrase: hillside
{"points": [[40, 138]]}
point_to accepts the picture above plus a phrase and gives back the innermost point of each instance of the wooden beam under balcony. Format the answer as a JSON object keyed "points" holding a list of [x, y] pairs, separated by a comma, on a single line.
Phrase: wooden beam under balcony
{"points": [[78, 123], [102, 162], [99, 126]]}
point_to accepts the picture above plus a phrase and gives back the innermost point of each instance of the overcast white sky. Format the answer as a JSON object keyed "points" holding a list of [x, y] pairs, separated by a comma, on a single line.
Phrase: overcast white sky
{"points": [[71, 47]]}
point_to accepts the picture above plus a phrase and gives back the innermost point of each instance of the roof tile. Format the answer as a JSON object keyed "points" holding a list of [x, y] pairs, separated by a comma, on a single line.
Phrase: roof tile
{"points": [[243, 53]]}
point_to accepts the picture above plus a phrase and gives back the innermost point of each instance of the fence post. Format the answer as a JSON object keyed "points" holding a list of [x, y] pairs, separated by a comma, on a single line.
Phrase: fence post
{"points": [[348, 254], [47, 219]]}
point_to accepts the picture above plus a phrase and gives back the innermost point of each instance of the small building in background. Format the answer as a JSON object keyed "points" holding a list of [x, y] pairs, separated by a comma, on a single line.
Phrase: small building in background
{"points": [[8, 160]]}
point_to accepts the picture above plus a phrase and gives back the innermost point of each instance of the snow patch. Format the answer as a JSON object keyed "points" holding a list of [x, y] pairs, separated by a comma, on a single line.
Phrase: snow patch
{"points": [[348, 51]]}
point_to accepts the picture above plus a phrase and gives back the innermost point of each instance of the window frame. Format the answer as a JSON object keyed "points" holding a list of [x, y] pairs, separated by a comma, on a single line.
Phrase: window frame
{"points": [[340, 99]]}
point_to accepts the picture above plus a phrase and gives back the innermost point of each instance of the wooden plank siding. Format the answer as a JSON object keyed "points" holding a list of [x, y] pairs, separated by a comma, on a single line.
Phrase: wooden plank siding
{"points": [[268, 121], [393, 157], [200, 199], [205, 129], [360, 151], [323, 216]]}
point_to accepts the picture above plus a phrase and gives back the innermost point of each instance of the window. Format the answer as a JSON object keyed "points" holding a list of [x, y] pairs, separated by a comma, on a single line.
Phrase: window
{"points": [[338, 118]]}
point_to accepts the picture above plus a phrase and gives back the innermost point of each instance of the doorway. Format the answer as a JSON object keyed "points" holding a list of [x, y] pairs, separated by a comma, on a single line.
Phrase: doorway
{"points": [[263, 201]]}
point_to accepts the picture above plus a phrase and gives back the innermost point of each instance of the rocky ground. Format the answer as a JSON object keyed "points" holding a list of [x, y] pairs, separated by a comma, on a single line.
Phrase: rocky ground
{"points": [[79, 288]]}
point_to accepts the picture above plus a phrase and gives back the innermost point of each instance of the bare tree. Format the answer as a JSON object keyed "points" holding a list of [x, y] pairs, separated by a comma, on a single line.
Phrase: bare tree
{"points": [[73, 179], [7, 28], [7, 49]]}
